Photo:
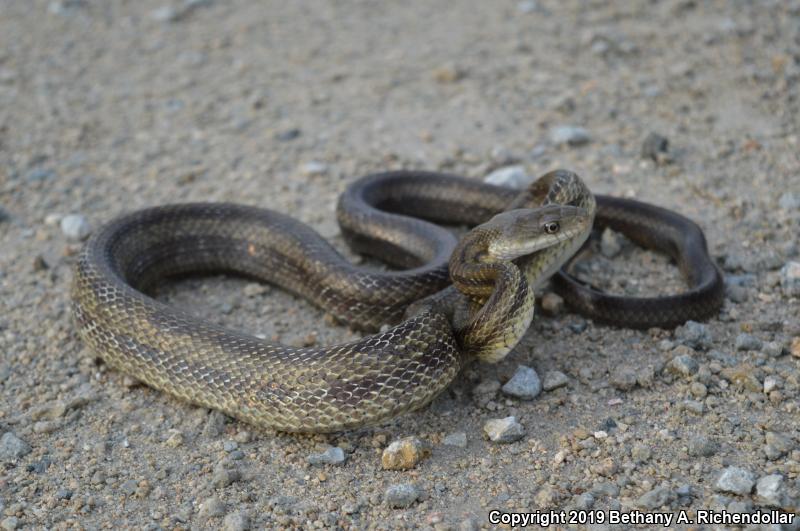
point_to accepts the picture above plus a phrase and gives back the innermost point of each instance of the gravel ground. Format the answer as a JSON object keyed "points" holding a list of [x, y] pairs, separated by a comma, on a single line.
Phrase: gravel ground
{"points": [[112, 106]]}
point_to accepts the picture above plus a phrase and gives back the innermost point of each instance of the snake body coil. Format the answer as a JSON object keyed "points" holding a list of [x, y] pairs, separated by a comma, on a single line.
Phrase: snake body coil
{"points": [[383, 375]]}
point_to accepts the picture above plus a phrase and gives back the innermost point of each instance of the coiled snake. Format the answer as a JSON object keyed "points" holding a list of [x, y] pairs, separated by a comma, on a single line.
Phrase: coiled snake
{"points": [[494, 268]]}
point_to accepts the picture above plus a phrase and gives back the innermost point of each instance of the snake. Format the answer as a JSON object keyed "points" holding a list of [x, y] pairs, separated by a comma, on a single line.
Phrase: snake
{"points": [[443, 303]]}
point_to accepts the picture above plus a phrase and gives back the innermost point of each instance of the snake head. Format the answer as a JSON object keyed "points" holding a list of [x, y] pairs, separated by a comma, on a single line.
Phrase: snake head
{"points": [[527, 230]]}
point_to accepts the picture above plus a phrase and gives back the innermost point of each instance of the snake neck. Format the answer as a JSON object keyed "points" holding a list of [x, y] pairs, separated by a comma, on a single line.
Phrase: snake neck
{"points": [[496, 304]]}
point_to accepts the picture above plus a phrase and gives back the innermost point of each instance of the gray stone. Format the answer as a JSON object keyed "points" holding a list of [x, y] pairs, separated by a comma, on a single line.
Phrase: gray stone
{"points": [[777, 445], [288, 134], [570, 135], [38, 175], [75, 227], [695, 335], [736, 481], [236, 521], [583, 502], [789, 201], [694, 406], [313, 168], [790, 279], [747, 342], [511, 176], [658, 497], [610, 243], [641, 453], [527, 6], [736, 294], [401, 496], [224, 476], [487, 387], [211, 507], [683, 364], [129, 487], [12, 447], [684, 491], [10, 523], [165, 14], [214, 425], [333, 455], [773, 349], [623, 378], [770, 491], [505, 430], [701, 446], [655, 147], [458, 439], [553, 380], [525, 384], [65, 7]]}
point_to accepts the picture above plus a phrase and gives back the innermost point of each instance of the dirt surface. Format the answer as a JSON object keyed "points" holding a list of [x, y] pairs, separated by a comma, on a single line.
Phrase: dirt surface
{"points": [[111, 106]]}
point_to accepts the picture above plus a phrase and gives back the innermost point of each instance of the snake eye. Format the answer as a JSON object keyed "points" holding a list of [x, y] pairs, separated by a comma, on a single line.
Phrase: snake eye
{"points": [[551, 227]]}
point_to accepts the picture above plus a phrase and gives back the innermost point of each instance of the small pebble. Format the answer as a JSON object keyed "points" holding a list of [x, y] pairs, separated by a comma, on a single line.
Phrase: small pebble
{"points": [[75, 227], [553, 380], [10, 523], [509, 176], [789, 201], [38, 175], [695, 335], [165, 14], [313, 168], [770, 491], [448, 74], [175, 439], [747, 342], [694, 406], [12, 447], [552, 304], [773, 349], [641, 453], [405, 454], [570, 135], [701, 446], [736, 481], [223, 476], [288, 134], [610, 243], [656, 147], [658, 497], [236, 521], [794, 349], [527, 6], [525, 384], [790, 279], [401, 496], [212, 507], [683, 364], [333, 455], [771, 383], [506, 430], [623, 378], [458, 439], [777, 445]]}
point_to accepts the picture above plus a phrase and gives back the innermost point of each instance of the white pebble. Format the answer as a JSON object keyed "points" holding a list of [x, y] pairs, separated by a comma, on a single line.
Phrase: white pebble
{"points": [[75, 227], [510, 176], [570, 135]]}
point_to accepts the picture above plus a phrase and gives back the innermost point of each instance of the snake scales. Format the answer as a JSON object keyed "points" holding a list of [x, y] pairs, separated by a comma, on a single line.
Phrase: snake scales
{"points": [[495, 269]]}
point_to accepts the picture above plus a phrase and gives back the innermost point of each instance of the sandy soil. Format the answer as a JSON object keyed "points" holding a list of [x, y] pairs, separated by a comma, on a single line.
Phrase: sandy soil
{"points": [[111, 106]]}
